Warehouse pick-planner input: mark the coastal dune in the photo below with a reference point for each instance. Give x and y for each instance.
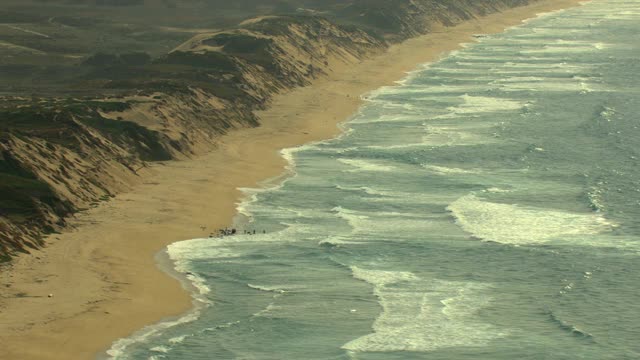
(102, 275)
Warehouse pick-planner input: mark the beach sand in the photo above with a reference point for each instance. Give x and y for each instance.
(103, 275)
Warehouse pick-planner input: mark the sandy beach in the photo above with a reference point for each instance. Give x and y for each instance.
(103, 274)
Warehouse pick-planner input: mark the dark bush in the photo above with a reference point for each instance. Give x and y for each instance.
(102, 59)
(135, 59)
(210, 60)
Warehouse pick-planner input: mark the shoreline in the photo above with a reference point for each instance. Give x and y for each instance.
(169, 266)
(103, 275)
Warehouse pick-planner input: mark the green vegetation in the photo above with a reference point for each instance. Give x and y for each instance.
(44, 42)
(129, 59)
(210, 60)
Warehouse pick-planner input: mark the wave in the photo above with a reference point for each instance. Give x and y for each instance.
(569, 328)
(441, 170)
(422, 89)
(594, 195)
(518, 225)
(556, 49)
(554, 86)
(178, 339)
(394, 225)
(453, 136)
(200, 300)
(278, 289)
(182, 254)
(365, 189)
(360, 165)
(337, 241)
(160, 349)
(388, 118)
(606, 113)
(423, 315)
(481, 105)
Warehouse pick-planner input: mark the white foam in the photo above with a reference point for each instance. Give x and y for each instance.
(429, 89)
(243, 207)
(520, 79)
(441, 170)
(624, 15)
(423, 315)
(481, 104)
(453, 136)
(160, 349)
(546, 33)
(365, 189)
(381, 277)
(496, 190)
(559, 49)
(267, 311)
(366, 166)
(388, 118)
(182, 253)
(518, 225)
(555, 86)
(233, 246)
(119, 347)
(546, 66)
(177, 339)
(199, 298)
(390, 225)
(338, 241)
(278, 289)
(411, 75)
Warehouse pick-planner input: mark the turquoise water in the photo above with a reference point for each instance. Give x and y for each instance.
(485, 208)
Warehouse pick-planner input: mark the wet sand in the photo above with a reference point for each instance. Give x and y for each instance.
(103, 275)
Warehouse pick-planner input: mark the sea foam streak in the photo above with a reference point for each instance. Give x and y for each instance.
(473, 105)
(423, 315)
(366, 165)
(513, 224)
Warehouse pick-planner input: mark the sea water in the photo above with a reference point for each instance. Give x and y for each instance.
(486, 207)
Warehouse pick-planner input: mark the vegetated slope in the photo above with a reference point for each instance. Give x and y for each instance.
(61, 154)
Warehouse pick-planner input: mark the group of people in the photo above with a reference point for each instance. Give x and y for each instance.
(229, 232)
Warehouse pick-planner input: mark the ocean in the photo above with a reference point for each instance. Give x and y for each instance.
(485, 207)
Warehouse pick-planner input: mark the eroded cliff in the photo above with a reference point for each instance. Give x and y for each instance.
(60, 155)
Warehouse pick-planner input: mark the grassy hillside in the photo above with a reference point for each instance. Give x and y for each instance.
(43, 42)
